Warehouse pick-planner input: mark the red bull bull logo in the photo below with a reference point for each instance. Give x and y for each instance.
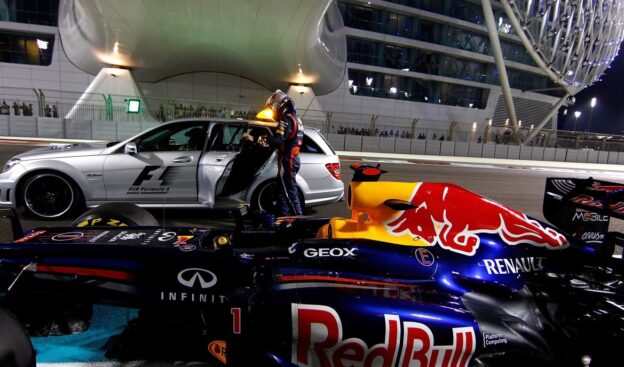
(452, 217)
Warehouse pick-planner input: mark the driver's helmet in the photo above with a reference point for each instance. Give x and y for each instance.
(278, 102)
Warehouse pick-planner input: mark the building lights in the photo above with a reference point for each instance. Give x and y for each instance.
(43, 45)
(134, 106)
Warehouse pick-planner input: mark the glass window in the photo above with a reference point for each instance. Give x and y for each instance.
(398, 57)
(309, 146)
(43, 12)
(412, 89)
(226, 138)
(426, 31)
(362, 51)
(26, 48)
(362, 17)
(395, 57)
(399, 25)
(414, 27)
(173, 137)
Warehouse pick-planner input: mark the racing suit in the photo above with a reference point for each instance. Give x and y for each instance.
(287, 139)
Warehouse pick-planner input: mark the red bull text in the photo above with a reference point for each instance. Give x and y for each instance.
(318, 341)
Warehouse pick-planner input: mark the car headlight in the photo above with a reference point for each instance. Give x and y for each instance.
(10, 163)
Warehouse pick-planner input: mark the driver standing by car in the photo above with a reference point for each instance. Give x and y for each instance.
(287, 140)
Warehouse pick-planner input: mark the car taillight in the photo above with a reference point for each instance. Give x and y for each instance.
(334, 169)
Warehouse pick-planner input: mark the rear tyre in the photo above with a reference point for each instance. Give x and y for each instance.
(115, 215)
(265, 198)
(50, 195)
(16, 350)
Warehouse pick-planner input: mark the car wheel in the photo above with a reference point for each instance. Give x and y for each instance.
(16, 350)
(50, 195)
(265, 197)
(116, 215)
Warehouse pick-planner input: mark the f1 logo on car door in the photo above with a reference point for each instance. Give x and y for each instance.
(148, 182)
(152, 176)
(162, 165)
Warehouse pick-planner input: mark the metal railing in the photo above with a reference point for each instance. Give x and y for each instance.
(100, 107)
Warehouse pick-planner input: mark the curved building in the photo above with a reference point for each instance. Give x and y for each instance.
(456, 67)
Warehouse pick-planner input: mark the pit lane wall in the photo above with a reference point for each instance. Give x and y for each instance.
(60, 128)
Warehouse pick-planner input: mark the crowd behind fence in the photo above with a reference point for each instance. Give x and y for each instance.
(98, 107)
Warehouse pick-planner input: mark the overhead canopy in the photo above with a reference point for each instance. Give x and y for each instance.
(272, 42)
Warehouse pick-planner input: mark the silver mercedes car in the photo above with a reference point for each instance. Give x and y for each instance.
(183, 164)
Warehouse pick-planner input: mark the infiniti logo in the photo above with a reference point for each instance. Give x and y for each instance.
(192, 276)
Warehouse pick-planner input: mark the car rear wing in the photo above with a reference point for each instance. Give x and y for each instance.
(16, 225)
(583, 207)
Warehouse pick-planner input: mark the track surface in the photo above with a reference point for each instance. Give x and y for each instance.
(520, 188)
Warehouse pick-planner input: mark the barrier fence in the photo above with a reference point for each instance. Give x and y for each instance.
(49, 127)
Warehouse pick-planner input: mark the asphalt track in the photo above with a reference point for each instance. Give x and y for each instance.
(519, 184)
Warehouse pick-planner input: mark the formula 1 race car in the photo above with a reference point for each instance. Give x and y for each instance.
(422, 274)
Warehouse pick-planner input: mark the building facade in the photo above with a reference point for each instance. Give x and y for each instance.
(409, 67)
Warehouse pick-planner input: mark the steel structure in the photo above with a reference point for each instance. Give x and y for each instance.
(573, 41)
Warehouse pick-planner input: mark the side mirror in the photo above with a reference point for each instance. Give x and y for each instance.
(130, 148)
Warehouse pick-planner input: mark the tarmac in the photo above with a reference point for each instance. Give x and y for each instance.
(399, 158)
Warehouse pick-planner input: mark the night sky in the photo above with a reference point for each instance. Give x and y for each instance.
(608, 115)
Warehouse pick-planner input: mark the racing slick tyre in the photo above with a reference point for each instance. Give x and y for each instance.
(16, 350)
(50, 195)
(115, 215)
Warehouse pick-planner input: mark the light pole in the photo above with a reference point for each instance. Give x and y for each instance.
(591, 112)
(577, 114)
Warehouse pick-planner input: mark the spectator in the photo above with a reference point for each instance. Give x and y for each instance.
(54, 111)
(161, 113)
(5, 109)
(15, 109)
(442, 137)
(48, 111)
(434, 137)
(479, 139)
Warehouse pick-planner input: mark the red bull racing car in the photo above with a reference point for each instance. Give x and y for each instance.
(422, 274)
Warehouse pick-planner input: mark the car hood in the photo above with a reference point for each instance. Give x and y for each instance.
(63, 150)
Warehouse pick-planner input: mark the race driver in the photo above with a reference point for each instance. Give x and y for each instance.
(287, 140)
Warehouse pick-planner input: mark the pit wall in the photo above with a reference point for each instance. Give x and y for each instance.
(44, 127)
